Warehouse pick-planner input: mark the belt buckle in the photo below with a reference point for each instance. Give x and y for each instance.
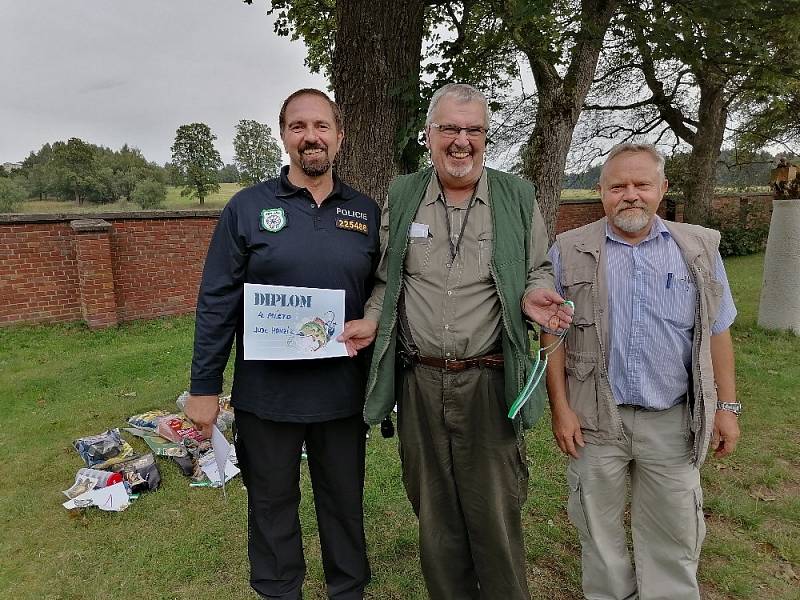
(452, 364)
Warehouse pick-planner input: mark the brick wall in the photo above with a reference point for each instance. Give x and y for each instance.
(104, 270)
(125, 266)
(38, 273)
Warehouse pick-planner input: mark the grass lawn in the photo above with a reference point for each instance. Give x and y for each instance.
(62, 382)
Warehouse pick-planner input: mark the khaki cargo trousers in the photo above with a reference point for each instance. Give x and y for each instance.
(666, 510)
(466, 477)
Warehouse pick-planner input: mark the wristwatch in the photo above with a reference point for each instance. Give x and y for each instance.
(734, 407)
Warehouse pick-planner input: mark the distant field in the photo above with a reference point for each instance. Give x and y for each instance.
(174, 201)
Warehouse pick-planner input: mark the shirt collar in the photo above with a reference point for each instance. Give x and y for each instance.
(287, 189)
(657, 229)
(433, 191)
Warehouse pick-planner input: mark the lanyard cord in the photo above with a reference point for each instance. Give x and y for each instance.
(454, 247)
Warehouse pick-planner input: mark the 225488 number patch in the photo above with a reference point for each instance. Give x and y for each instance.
(352, 225)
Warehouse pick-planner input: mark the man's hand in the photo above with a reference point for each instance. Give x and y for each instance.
(358, 334)
(202, 411)
(726, 433)
(547, 308)
(567, 431)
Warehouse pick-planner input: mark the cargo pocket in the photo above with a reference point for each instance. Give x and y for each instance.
(577, 285)
(699, 522)
(582, 387)
(575, 507)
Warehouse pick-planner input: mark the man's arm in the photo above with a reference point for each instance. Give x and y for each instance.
(541, 301)
(566, 426)
(726, 424)
(217, 314)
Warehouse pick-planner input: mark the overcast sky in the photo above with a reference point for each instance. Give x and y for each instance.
(112, 72)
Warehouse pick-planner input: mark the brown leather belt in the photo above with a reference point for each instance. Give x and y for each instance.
(487, 361)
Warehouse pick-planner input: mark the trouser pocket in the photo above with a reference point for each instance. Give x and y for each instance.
(575, 505)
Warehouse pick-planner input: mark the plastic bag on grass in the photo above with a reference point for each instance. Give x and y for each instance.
(140, 473)
(103, 450)
(147, 420)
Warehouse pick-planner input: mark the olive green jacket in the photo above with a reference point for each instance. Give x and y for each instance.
(513, 201)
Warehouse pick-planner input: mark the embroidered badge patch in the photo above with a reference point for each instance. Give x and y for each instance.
(352, 225)
(272, 220)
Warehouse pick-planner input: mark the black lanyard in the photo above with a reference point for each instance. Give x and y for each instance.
(454, 247)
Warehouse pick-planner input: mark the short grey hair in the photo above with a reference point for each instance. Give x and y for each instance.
(635, 149)
(461, 92)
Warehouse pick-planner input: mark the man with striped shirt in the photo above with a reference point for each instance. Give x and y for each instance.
(643, 383)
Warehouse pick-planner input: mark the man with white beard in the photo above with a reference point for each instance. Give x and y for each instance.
(464, 261)
(643, 383)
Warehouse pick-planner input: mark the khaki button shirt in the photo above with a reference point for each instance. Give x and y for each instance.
(452, 305)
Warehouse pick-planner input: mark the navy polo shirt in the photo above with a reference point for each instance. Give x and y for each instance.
(335, 246)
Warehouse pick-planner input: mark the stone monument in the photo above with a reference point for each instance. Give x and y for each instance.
(780, 290)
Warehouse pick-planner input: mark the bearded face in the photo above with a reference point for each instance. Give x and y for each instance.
(631, 188)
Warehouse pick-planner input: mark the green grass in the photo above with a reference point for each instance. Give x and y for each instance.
(174, 201)
(60, 382)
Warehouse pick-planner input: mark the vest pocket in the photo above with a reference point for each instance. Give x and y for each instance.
(582, 388)
(577, 285)
(418, 255)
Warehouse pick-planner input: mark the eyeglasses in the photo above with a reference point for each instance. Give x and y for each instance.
(538, 369)
(453, 131)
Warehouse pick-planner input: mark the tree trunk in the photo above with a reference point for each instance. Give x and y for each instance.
(375, 77)
(545, 154)
(560, 102)
(701, 177)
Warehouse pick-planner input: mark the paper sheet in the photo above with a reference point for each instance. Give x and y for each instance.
(112, 498)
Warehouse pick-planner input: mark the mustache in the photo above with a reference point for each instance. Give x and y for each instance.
(641, 205)
(312, 146)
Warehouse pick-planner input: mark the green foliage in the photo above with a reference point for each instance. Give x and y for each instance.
(77, 170)
(313, 21)
(11, 193)
(741, 234)
(257, 154)
(193, 153)
(149, 193)
(741, 241)
(228, 174)
(172, 174)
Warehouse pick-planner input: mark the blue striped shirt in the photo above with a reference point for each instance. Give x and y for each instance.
(652, 302)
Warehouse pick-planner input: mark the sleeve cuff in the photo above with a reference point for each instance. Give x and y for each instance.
(206, 387)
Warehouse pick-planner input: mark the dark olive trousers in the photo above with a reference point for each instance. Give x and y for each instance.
(465, 474)
(269, 457)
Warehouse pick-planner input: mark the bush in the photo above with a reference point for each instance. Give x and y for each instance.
(743, 241)
(11, 194)
(741, 234)
(149, 193)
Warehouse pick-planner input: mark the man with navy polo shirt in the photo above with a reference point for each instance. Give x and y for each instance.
(643, 384)
(308, 229)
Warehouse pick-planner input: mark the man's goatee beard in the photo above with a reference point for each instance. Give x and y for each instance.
(314, 169)
(631, 223)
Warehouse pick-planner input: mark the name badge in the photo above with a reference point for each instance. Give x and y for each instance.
(418, 230)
